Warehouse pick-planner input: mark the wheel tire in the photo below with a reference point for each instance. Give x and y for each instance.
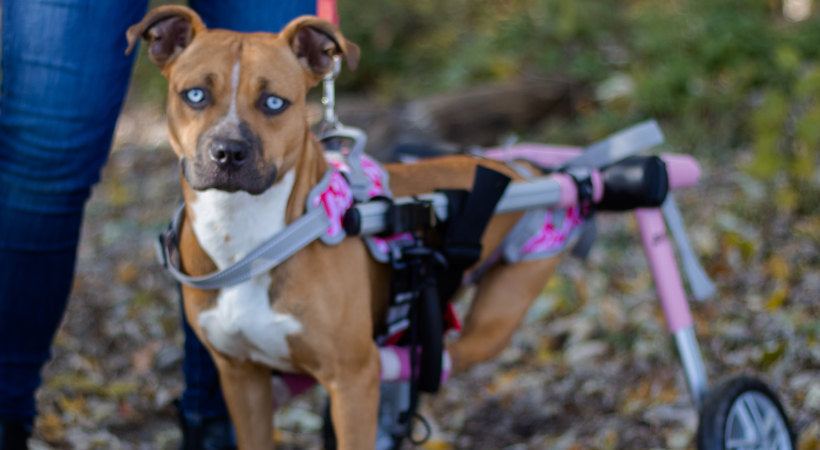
(737, 406)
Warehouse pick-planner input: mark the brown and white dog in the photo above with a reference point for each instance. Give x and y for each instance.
(238, 121)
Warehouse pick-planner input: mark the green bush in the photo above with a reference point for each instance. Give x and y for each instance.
(723, 76)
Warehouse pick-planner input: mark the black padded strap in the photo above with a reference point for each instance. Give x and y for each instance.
(470, 213)
(468, 224)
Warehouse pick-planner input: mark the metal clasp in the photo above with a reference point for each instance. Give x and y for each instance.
(331, 120)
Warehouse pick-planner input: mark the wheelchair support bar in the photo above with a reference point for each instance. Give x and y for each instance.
(551, 192)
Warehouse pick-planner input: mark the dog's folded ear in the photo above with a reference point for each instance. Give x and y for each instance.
(315, 42)
(167, 30)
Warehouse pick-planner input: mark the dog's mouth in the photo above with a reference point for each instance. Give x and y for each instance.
(229, 158)
(202, 175)
(229, 165)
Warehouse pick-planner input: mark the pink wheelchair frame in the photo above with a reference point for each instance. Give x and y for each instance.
(683, 171)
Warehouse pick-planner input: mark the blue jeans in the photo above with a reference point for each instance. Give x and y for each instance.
(64, 80)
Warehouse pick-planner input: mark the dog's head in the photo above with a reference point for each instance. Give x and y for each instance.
(237, 117)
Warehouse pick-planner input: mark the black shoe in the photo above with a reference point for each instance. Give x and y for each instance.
(210, 434)
(14, 435)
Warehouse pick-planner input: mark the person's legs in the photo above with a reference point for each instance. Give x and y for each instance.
(34, 286)
(64, 80)
(201, 402)
(251, 15)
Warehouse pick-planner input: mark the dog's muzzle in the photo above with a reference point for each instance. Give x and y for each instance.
(229, 163)
(229, 153)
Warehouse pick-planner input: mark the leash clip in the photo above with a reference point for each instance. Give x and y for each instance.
(331, 120)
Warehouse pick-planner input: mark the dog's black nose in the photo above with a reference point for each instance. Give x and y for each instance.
(229, 152)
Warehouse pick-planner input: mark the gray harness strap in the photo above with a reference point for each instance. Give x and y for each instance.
(270, 254)
(618, 146)
(311, 226)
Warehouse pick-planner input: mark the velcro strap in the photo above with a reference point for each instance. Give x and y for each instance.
(470, 213)
(463, 254)
(468, 224)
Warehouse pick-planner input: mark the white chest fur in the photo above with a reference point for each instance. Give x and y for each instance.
(228, 226)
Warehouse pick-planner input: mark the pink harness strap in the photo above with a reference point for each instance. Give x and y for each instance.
(552, 237)
(335, 196)
(335, 200)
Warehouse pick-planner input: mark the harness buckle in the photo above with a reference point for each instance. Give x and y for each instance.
(418, 215)
(583, 182)
(166, 246)
(159, 246)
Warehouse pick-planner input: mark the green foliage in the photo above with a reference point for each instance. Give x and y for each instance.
(723, 76)
(767, 123)
(785, 135)
(413, 48)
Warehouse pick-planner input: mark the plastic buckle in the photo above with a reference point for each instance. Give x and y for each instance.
(160, 248)
(410, 217)
(166, 246)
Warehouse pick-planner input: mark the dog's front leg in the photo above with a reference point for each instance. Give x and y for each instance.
(354, 402)
(248, 394)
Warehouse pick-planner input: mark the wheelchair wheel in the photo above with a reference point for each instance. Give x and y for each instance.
(743, 413)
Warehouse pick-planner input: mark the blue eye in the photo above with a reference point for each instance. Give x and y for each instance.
(271, 104)
(195, 95)
(196, 98)
(274, 103)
